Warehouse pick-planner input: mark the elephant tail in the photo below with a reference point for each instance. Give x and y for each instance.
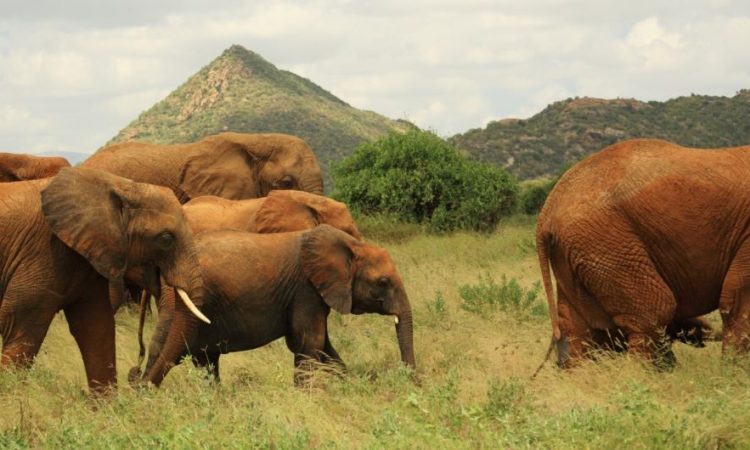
(543, 241)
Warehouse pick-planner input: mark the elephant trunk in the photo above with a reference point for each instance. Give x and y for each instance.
(170, 341)
(177, 327)
(405, 336)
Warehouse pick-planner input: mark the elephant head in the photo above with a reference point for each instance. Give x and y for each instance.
(297, 210)
(355, 277)
(17, 167)
(127, 231)
(242, 165)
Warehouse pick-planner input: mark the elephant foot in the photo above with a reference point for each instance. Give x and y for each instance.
(665, 359)
(135, 378)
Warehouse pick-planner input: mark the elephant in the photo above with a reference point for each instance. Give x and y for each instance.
(20, 167)
(642, 234)
(260, 287)
(69, 243)
(280, 211)
(287, 210)
(229, 165)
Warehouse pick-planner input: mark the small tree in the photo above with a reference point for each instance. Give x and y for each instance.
(419, 177)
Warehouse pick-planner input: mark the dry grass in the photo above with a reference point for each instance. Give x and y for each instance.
(472, 388)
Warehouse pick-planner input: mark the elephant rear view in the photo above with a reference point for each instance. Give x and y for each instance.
(645, 234)
(229, 165)
(261, 287)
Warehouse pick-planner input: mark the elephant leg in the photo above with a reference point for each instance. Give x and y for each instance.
(209, 362)
(576, 336)
(307, 342)
(735, 315)
(646, 305)
(630, 293)
(92, 324)
(330, 353)
(23, 333)
(734, 305)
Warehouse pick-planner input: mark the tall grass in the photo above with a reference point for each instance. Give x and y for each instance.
(472, 388)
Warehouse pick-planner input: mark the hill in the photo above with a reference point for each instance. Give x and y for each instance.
(568, 130)
(240, 91)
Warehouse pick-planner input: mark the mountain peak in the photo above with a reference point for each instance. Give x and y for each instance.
(241, 91)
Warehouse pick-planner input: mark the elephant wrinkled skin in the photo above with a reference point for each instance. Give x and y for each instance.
(643, 234)
(260, 287)
(69, 243)
(18, 167)
(229, 165)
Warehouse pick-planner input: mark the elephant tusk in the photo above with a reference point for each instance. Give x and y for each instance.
(191, 306)
(395, 319)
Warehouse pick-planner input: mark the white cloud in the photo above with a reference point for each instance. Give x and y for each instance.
(15, 121)
(82, 72)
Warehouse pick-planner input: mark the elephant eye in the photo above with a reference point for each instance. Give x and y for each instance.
(285, 183)
(165, 240)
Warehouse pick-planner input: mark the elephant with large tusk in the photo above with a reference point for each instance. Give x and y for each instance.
(71, 243)
(260, 287)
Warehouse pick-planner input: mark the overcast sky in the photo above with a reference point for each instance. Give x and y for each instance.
(74, 72)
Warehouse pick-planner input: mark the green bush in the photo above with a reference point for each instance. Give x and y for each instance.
(420, 178)
(508, 296)
(533, 196)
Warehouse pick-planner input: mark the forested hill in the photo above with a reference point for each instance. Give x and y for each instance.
(568, 130)
(240, 91)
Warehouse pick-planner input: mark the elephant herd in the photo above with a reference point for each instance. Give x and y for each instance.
(231, 235)
(233, 238)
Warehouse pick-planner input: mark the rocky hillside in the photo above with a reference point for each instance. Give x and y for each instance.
(240, 91)
(568, 130)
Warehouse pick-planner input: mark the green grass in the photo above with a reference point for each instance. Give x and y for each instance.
(472, 387)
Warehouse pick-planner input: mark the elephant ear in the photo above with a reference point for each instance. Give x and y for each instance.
(336, 214)
(84, 209)
(328, 261)
(281, 211)
(224, 169)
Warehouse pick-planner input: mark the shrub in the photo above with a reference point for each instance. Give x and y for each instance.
(508, 296)
(533, 196)
(418, 177)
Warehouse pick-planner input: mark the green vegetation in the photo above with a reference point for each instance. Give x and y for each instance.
(568, 130)
(418, 177)
(508, 296)
(473, 389)
(240, 91)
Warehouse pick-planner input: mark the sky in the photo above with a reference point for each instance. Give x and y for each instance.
(75, 72)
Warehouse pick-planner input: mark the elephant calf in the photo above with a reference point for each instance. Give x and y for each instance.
(260, 287)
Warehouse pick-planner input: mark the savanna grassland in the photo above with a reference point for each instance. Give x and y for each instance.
(481, 330)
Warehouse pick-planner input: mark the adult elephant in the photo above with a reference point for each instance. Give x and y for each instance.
(21, 167)
(260, 287)
(69, 243)
(228, 165)
(288, 210)
(643, 234)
